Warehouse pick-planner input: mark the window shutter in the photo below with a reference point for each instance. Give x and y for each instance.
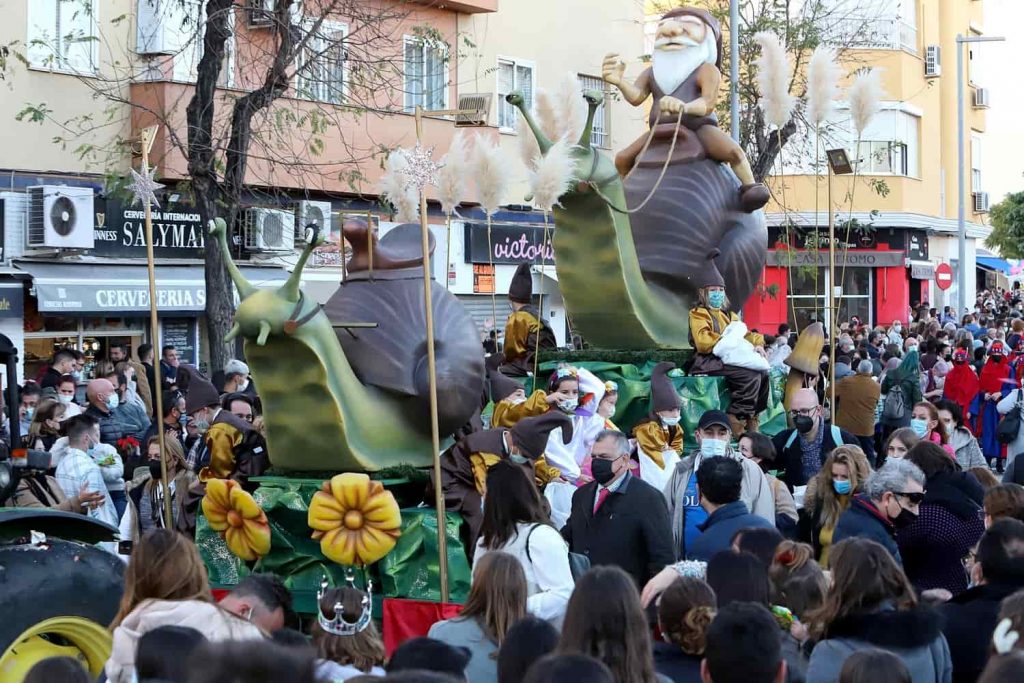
(506, 84)
(524, 82)
(42, 33)
(78, 38)
(435, 77)
(413, 74)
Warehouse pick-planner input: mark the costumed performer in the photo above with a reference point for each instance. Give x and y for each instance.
(962, 386)
(748, 389)
(583, 391)
(464, 466)
(996, 381)
(511, 403)
(524, 326)
(659, 438)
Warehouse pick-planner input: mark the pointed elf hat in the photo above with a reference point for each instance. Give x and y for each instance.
(663, 393)
(531, 434)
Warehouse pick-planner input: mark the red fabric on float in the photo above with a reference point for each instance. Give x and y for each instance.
(405, 619)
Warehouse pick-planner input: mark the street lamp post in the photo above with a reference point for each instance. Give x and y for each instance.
(961, 181)
(734, 68)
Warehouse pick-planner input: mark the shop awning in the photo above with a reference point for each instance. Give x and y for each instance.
(921, 270)
(116, 288)
(993, 263)
(548, 272)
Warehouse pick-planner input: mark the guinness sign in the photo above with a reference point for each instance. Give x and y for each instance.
(120, 230)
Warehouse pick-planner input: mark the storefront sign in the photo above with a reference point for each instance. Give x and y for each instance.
(483, 279)
(509, 244)
(922, 271)
(180, 333)
(917, 246)
(178, 230)
(12, 301)
(944, 276)
(853, 259)
(100, 298)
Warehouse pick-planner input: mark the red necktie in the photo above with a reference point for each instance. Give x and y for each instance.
(601, 497)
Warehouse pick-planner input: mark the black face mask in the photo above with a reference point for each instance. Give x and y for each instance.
(904, 519)
(154, 470)
(803, 423)
(602, 470)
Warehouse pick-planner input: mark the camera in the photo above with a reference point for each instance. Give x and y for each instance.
(16, 464)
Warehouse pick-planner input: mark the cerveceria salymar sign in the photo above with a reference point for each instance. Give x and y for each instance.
(178, 230)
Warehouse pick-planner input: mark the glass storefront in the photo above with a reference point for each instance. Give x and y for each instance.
(809, 291)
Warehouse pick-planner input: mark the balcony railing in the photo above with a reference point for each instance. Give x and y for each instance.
(872, 34)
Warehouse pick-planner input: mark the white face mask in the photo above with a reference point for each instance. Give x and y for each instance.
(568, 405)
(712, 447)
(65, 399)
(242, 386)
(515, 399)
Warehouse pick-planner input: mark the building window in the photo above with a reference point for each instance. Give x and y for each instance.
(976, 163)
(883, 157)
(907, 21)
(186, 62)
(513, 75)
(600, 135)
(62, 35)
(321, 71)
(426, 75)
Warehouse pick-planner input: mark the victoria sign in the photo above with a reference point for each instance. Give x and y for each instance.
(509, 244)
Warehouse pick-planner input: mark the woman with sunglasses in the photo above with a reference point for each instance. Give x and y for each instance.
(949, 522)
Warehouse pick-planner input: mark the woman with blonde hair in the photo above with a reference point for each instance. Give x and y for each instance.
(497, 600)
(685, 611)
(349, 647)
(165, 584)
(829, 494)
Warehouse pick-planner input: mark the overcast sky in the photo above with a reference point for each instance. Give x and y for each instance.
(1003, 151)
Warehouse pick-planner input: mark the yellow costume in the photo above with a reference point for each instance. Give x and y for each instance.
(703, 330)
(653, 438)
(507, 413)
(520, 328)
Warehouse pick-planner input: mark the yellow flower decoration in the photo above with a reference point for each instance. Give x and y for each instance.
(355, 519)
(232, 511)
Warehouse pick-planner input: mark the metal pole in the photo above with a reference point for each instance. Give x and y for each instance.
(832, 327)
(734, 68)
(961, 189)
(148, 136)
(442, 539)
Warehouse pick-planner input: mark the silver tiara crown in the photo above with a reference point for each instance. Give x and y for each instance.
(339, 626)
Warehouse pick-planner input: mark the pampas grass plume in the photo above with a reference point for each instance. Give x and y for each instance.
(395, 188)
(554, 175)
(546, 114)
(773, 69)
(822, 84)
(453, 176)
(570, 108)
(865, 96)
(491, 174)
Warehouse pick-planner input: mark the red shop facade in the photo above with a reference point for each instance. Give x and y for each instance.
(881, 271)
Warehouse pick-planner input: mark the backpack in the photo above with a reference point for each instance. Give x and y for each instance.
(836, 432)
(895, 406)
(1009, 426)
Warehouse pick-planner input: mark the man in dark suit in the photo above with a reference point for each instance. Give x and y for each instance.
(618, 519)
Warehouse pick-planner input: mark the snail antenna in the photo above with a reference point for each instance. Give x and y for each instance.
(290, 289)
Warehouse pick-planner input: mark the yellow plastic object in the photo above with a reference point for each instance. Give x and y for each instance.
(90, 644)
(233, 512)
(355, 519)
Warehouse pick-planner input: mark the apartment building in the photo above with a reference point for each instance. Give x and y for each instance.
(102, 70)
(905, 196)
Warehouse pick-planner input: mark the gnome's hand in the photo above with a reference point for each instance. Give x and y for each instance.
(612, 69)
(671, 105)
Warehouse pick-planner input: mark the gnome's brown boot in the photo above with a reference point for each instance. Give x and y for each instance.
(738, 426)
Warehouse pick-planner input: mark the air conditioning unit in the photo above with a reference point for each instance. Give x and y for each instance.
(981, 98)
(307, 212)
(60, 217)
(980, 202)
(260, 12)
(932, 61)
(478, 106)
(269, 230)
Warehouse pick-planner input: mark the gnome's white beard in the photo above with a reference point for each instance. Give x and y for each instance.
(672, 67)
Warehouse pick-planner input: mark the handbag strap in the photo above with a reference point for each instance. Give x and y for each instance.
(528, 534)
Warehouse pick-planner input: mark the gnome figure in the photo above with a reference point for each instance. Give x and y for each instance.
(659, 438)
(683, 79)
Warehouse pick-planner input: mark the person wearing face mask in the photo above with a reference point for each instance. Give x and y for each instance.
(856, 400)
(965, 447)
(227, 448)
(146, 491)
(829, 495)
(66, 395)
(44, 430)
(804, 448)
(748, 389)
(618, 519)
(511, 403)
(681, 495)
(962, 384)
(236, 378)
(525, 329)
(78, 472)
(901, 388)
(575, 392)
(890, 502)
(103, 401)
(994, 383)
(464, 466)
(925, 423)
(719, 481)
(659, 437)
(895, 334)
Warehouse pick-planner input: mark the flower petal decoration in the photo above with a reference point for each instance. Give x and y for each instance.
(355, 519)
(234, 513)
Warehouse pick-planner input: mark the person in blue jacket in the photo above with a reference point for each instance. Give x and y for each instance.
(719, 481)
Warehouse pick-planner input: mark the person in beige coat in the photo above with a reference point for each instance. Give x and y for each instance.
(165, 584)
